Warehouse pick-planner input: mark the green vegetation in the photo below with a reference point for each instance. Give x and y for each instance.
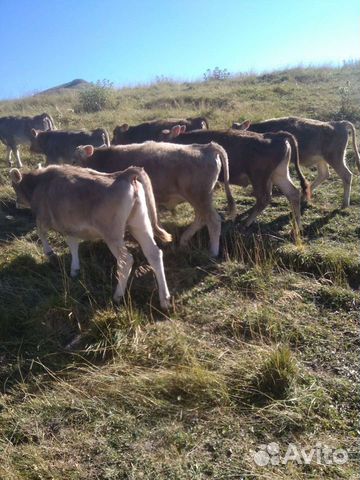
(95, 98)
(261, 346)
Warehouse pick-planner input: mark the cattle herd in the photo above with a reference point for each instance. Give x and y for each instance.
(92, 189)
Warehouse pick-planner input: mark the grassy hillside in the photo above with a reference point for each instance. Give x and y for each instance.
(261, 346)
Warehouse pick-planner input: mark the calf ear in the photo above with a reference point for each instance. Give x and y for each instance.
(34, 132)
(243, 126)
(175, 131)
(88, 150)
(124, 127)
(182, 129)
(82, 152)
(15, 175)
(203, 125)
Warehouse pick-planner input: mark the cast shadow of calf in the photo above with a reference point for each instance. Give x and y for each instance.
(14, 221)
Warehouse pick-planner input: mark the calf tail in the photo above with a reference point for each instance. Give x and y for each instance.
(356, 151)
(145, 181)
(305, 185)
(225, 164)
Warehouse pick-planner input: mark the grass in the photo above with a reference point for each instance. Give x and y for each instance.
(261, 346)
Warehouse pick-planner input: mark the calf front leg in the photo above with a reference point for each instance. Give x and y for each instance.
(44, 241)
(8, 156)
(17, 156)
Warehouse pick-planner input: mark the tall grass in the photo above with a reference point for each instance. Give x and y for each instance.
(261, 345)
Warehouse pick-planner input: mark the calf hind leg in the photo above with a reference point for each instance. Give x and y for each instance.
(292, 194)
(281, 178)
(73, 244)
(322, 174)
(125, 262)
(197, 224)
(263, 197)
(346, 176)
(141, 230)
(213, 223)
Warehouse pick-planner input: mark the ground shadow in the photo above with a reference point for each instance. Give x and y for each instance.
(312, 230)
(44, 309)
(14, 221)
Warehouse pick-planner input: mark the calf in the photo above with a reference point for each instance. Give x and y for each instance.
(15, 131)
(262, 160)
(179, 173)
(320, 143)
(124, 134)
(88, 205)
(58, 146)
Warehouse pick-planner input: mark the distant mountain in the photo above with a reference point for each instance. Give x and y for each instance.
(77, 84)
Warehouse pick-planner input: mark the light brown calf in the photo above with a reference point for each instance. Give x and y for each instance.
(87, 205)
(179, 173)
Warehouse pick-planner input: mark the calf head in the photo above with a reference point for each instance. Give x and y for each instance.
(81, 155)
(43, 122)
(22, 199)
(198, 123)
(119, 134)
(167, 135)
(241, 126)
(35, 145)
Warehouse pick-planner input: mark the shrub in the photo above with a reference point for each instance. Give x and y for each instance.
(100, 96)
(216, 74)
(347, 110)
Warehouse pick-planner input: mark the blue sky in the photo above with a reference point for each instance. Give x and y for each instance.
(46, 43)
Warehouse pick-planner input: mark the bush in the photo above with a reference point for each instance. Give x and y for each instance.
(216, 74)
(347, 110)
(100, 96)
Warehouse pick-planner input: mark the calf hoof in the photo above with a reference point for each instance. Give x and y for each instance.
(183, 243)
(75, 273)
(241, 228)
(53, 258)
(117, 298)
(166, 304)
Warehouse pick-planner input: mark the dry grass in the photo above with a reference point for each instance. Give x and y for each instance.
(261, 346)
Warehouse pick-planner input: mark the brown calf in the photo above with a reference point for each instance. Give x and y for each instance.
(262, 160)
(59, 145)
(320, 143)
(125, 134)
